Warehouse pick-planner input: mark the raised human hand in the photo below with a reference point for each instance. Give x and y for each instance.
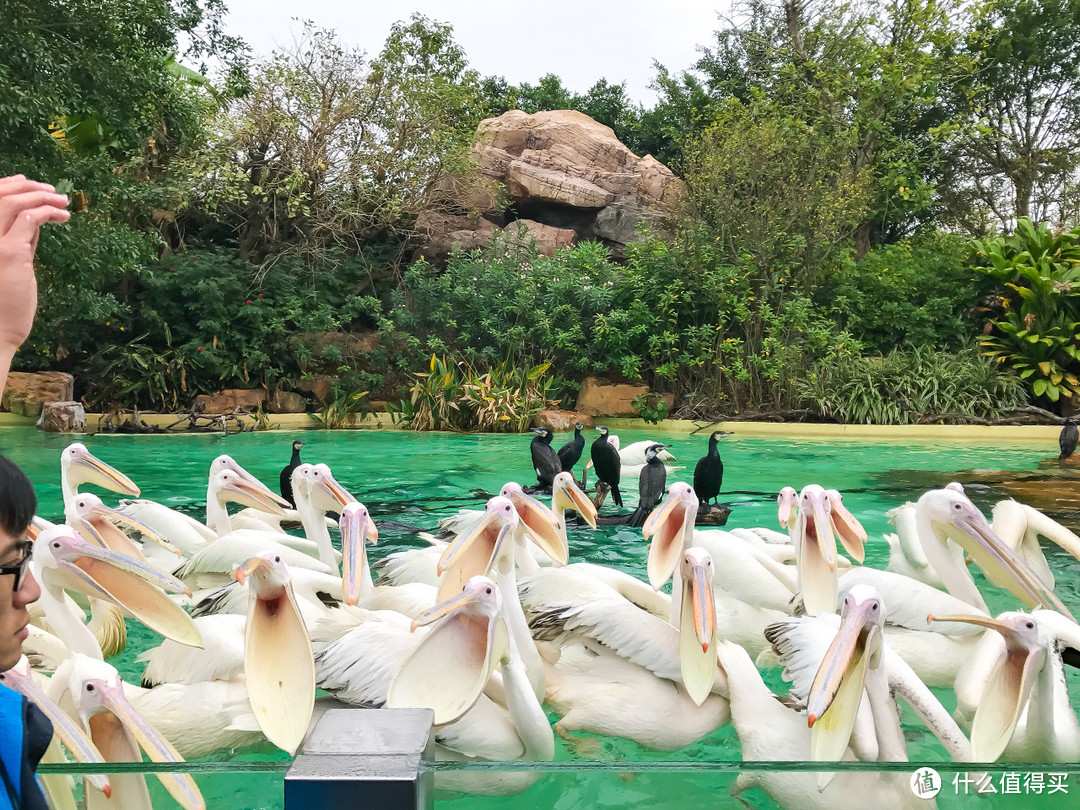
(25, 205)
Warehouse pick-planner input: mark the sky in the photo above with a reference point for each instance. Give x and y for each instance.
(580, 41)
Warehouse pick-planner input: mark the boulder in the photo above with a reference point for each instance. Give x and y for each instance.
(350, 344)
(548, 238)
(598, 399)
(562, 421)
(26, 392)
(62, 417)
(560, 169)
(286, 402)
(319, 387)
(231, 400)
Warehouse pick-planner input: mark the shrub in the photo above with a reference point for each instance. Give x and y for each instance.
(904, 387)
(915, 292)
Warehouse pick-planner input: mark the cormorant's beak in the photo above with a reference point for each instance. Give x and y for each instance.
(671, 528)
(1002, 566)
(545, 527)
(92, 470)
(1008, 688)
(836, 692)
(697, 625)
(568, 495)
(817, 554)
(71, 734)
(474, 552)
(133, 585)
(464, 649)
(279, 666)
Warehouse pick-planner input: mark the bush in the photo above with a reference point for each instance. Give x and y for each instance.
(676, 315)
(903, 387)
(916, 292)
(204, 320)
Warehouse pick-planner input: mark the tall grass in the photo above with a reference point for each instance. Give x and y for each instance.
(904, 386)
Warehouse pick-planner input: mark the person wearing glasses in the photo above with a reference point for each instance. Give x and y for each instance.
(25, 732)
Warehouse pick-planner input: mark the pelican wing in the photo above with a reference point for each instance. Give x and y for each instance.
(233, 549)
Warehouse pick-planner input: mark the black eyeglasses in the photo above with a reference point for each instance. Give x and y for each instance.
(20, 569)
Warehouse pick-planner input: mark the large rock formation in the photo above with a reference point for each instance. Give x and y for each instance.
(231, 400)
(26, 392)
(565, 176)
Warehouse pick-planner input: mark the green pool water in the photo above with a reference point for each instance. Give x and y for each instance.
(418, 478)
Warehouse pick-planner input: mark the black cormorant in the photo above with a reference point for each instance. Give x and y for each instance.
(608, 465)
(285, 481)
(652, 484)
(709, 472)
(1067, 439)
(570, 453)
(545, 460)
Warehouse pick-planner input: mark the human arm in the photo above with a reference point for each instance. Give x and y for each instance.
(25, 205)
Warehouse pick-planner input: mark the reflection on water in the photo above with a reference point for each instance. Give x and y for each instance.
(414, 479)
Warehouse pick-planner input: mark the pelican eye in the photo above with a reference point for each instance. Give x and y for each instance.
(1029, 625)
(874, 606)
(56, 544)
(277, 559)
(487, 590)
(89, 687)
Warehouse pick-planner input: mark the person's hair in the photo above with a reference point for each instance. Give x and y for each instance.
(17, 499)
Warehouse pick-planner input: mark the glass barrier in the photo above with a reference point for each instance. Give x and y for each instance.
(232, 785)
(663, 785)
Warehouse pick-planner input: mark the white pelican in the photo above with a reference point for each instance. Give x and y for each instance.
(316, 492)
(263, 658)
(843, 671)
(421, 565)
(1012, 690)
(947, 514)
(62, 560)
(70, 733)
(769, 730)
(381, 663)
(92, 691)
(1020, 526)
(618, 670)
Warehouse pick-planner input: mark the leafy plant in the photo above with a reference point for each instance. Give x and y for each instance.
(904, 387)
(650, 407)
(1039, 335)
(453, 395)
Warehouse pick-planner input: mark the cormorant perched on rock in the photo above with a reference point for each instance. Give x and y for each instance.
(608, 465)
(570, 453)
(545, 460)
(285, 481)
(1067, 439)
(652, 484)
(709, 472)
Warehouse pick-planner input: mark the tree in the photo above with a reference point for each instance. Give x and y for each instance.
(329, 150)
(1018, 99)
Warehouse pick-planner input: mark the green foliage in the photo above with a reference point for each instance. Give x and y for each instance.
(650, 407)
(330, 150)
(677, 315)
(1039, 336)
(779, 193)
(905, 387)
(207, 321)
(453, 395)
(915, 292)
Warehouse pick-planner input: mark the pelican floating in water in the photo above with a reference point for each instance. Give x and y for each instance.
(1012, 690)
(92, 691)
